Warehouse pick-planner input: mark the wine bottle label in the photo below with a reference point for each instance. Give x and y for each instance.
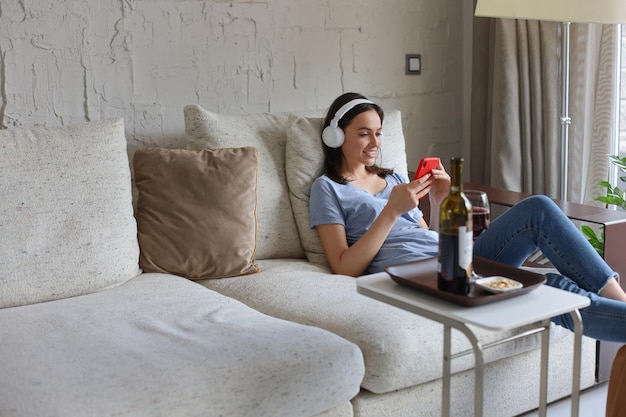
(466, 243)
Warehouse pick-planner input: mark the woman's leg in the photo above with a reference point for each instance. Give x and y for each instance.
(604, 319)
(613, 290)
(537, 222)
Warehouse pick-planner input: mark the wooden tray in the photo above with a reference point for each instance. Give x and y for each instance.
(422, 275)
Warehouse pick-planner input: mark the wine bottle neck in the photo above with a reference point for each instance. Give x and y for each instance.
(456, 182)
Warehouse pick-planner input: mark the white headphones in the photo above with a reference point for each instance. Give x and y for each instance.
(333, 135)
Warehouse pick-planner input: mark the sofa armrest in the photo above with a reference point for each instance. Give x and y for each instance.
(613, 221)
(574, 211)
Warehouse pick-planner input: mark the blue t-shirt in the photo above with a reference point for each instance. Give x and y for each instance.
(356, 209)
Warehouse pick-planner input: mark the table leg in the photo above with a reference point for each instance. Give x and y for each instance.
(543, 378)
(479, 378)
(479, 370)
(445, 394)
(578, 338)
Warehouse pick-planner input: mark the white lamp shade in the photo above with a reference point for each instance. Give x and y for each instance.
(577, 11)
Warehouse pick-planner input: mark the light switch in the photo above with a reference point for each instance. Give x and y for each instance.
(413, 64)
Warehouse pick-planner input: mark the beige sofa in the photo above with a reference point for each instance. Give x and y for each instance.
(85, 331)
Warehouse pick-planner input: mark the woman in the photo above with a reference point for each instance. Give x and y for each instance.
(368, 217)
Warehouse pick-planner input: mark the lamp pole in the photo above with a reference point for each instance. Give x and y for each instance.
(566, 121)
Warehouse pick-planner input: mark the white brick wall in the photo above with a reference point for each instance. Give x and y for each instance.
(70, 61)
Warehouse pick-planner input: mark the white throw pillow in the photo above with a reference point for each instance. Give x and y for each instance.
(305, 160)
(67, 217)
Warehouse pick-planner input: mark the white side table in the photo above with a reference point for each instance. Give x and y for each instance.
(537, 306)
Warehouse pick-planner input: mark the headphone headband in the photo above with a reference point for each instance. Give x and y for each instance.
(346, 108)
(333, 135)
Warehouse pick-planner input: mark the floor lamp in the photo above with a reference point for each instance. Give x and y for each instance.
(566, 12)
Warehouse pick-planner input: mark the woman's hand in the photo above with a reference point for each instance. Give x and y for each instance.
(440, 185)
(405, 197)
(439, 190)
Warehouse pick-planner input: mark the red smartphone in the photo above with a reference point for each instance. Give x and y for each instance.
(425, 166)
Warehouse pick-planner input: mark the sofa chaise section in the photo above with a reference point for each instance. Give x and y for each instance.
(160, 345)
(84, 332)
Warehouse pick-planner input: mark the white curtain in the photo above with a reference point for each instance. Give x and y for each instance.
(516, 106)
(593, 98)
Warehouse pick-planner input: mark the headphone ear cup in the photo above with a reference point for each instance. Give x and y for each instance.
(333, 136)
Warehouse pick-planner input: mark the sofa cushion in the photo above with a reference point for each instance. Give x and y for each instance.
(304, 163)
(196, 211)
(401, 349)
(161, 345)
(67, 217)
(277, 235)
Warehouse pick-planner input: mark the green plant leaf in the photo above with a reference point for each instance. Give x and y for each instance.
(615, 196)
(597, 242)
(589, 232)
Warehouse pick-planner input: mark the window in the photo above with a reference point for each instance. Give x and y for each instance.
(621, 120)
(621, 123)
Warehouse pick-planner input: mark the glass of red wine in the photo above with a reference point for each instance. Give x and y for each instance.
(480, 210)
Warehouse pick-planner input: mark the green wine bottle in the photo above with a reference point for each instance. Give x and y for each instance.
(455, 236)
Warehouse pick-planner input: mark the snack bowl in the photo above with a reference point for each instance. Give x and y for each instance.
(497, 284)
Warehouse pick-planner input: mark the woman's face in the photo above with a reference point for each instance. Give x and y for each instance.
(362, 139)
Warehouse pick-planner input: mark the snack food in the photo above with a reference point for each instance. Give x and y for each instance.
(501, 283)
(498, 284)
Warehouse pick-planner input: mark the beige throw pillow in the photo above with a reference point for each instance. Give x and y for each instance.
(196, 211)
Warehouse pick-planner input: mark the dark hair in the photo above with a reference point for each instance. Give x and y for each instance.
(333, 157)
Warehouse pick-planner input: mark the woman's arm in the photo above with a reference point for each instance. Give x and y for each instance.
(354, 260)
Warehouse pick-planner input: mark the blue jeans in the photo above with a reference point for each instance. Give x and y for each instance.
(537, 222)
